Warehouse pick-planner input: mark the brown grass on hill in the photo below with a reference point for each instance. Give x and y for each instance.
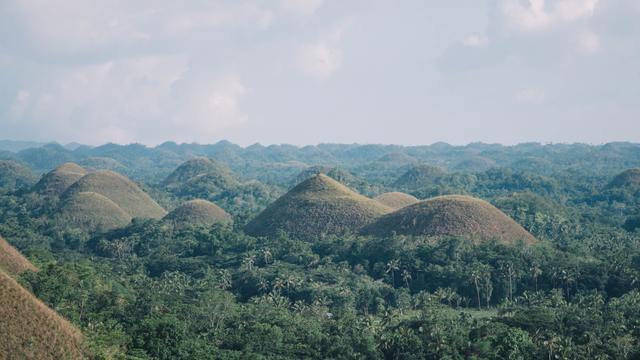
(396, 199)
(58, 180)
(91, 211)
(451, 215)
(627, 178)
(31, 330)
(198, 167)
(12, 261)
(198, 212)
(316, 207)
(122, 191)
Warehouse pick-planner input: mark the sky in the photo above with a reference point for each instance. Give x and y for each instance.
(314, 71)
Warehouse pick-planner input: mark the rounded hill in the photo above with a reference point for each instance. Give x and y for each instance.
(122, 191)
(451, 215)
(200, 177)
(419, 176)
(316, 207)
(627, 178)
(58, 180)
(12, 261)
(30, 329)
(15, 176)
(91, 211)
(198, 212)
(396, 199)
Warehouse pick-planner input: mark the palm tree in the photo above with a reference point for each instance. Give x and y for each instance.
(392, 267)
(267, 256)
(406, 277)
(248, 261)
(535, 273)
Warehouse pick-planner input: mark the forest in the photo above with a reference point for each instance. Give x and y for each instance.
(188, 251)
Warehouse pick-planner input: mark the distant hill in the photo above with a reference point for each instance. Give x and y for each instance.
(198, 212)
(200, 176)
(451, 215)
(316, 207)
(338, 174)
(58, 180)
(396, 200)
(102, 163)
(12, 261)
(475, 164)
(419, 176)
(627, 178)
(91, 211)
(122, 191)
(14, 176)
(31, 330)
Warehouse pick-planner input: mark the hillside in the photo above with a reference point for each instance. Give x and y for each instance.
(419, 176)
(31, 330)
(122, 191)
(198, 212)
(14, 176)
(12, 261)
(627, 178)
(58, 180)
(451, 215)
(91, 211)
(316, 207)
(396, 199)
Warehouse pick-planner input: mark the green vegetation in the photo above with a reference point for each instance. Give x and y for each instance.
(14, 176)
(198, 212)
(30, 330)
(628, 178)
(315, 208)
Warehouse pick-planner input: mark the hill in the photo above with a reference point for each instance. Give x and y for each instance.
(451, 215)
(14, 176)
(475, 164)
(627, 178)
(122, 191)
(31, 330)
(419, 176)
(198, 212)
(12, 261)
(318, 206)
(396, 200)
(91, 211)
(200, 177)
(58, 180)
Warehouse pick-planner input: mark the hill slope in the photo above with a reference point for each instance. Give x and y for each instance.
(396, 200)
(91, 211)
(199, 173)
(627, 178)
(198, 212)
(419, 176)
(451, 215)
(12, 261)
(316, 207)
(15, 176)
(58, 180)
(31, 330)
(122, 191)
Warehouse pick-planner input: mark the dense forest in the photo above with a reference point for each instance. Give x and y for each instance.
(188, 251)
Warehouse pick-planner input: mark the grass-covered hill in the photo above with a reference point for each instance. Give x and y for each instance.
(120, 190)
(344, 177)
(12, 261)
(451, 215)
(396, 199)
(419, 176)
(31, 330)
(200, 176)
(316, 207)
(198, 212)
(91, 211)
(15, 176)
(627, 179)
(58, 180)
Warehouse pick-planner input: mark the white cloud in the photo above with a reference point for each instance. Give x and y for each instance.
(589, 42)
(538, 15)
(475, 41)
(19, 105)
(304, 7)
(319, 60)
(530, 96)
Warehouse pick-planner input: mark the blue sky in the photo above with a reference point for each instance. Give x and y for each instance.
(310, 71)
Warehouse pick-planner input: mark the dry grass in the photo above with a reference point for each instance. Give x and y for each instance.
(31, 330)
(12, 261)
(197, 168)
(91, 211)
(396, 200)
(627, 178)
(316, 207)
(122, 191)
(198, 212)
(451, 215)
(60, 179)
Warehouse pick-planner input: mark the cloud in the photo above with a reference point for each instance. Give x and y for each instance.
(475, 41)
(589, 42)
(319, 60)
(530, 96)
(304, 7)
(540, 15)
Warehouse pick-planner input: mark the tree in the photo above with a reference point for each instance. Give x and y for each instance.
(392, 267)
